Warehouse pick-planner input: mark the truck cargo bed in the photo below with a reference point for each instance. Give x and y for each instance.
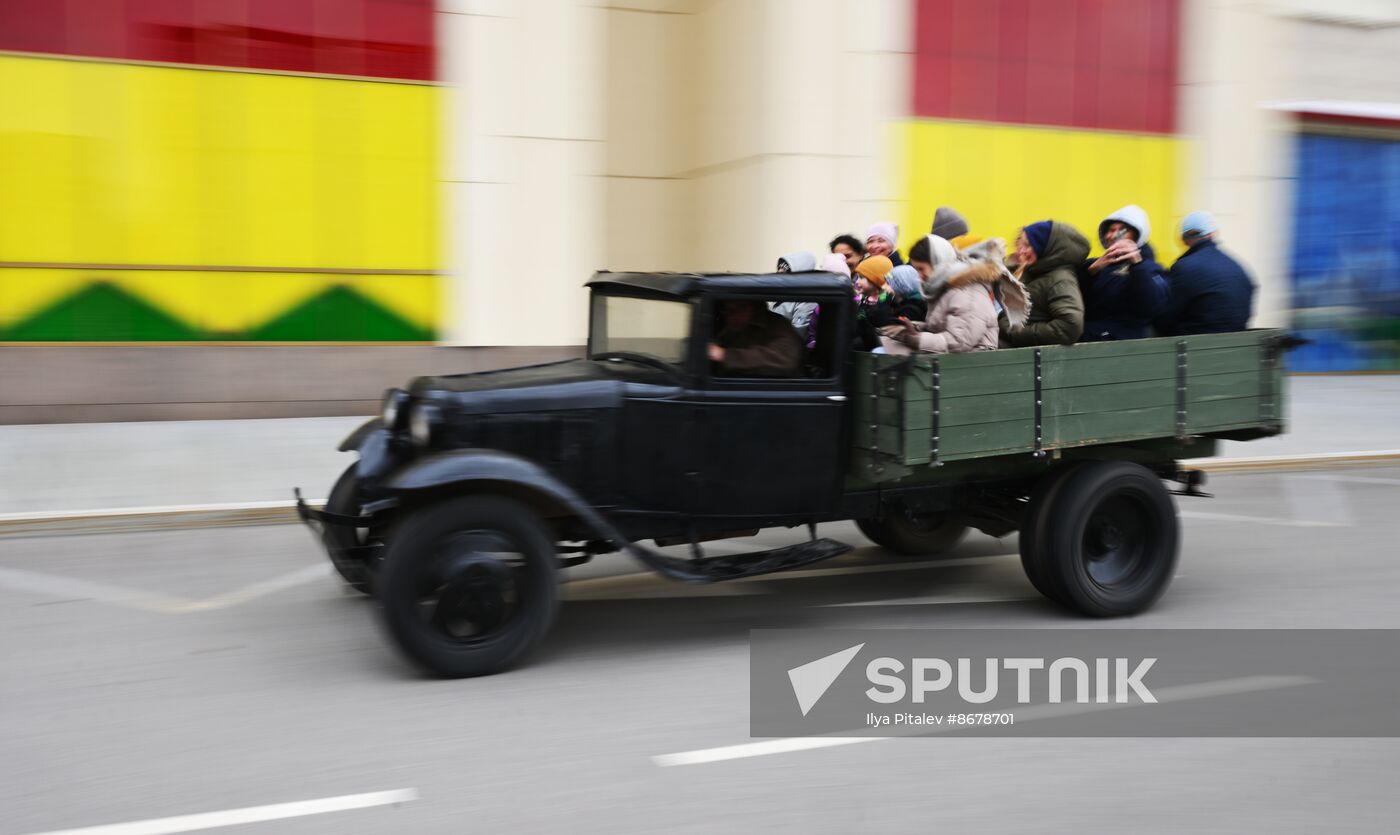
(930, 409)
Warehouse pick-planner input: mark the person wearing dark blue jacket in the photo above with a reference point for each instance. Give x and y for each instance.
(1125, 288)
(1210, 291)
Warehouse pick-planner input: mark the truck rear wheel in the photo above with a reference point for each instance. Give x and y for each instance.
(469, 585)
(1033, 532)
(1105, 540)
(913, 535)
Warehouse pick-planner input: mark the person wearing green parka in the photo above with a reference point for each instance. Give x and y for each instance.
(1047, 253)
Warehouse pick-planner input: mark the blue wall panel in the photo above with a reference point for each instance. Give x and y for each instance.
(1345, 269)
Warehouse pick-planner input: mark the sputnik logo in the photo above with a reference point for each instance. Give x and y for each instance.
(810, 681)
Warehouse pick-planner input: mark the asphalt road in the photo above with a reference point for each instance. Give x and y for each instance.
(154, 675)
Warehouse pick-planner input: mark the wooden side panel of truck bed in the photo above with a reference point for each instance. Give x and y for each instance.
(933, 409)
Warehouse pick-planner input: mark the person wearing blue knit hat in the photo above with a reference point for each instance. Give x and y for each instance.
(1209, 291)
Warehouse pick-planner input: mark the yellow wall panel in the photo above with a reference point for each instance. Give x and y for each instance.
(119, 163)
(1002, 177)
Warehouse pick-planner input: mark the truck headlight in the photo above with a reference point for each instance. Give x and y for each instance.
(420, 423)
(393, 408)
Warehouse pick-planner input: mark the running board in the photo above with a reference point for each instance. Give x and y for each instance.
(734, 566)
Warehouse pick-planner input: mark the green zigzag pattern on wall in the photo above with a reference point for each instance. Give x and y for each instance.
(339, 314)
(102, 312)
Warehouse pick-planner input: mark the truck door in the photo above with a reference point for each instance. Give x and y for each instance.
(774, 445)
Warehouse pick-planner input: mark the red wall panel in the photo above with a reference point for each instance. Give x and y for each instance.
(1108, 64)
(382, 38)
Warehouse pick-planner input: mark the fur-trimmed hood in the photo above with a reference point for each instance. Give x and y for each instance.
(994, 275)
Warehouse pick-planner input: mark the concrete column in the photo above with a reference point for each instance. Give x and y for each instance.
(796, 146)
(1233, 65)
(524, 148)
(656, 135)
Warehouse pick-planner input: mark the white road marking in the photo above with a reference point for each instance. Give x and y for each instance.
(1320, 501)
(1350, 479)
(250, 814)
(33, 582)
(877, 568)
(649, 587)
(1259, 520)
(740, 586)
(1180, 693)
(928, 601)
(262, 588)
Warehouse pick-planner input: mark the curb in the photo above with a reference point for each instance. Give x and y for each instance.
(245, 514)
(134, 519)
(1293, 463)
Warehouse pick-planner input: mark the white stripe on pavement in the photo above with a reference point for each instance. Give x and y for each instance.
(34, 582)
(1179, 693)
(1259, 520)
(250, 814)
(929, 601)
(1350, 479)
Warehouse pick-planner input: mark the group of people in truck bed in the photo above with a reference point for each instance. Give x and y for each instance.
(956, 292)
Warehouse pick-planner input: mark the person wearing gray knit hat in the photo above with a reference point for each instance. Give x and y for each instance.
(948, 223)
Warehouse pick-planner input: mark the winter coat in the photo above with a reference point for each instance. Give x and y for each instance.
(1057, 308)
(963, 317)
(1121, 301)
(871, 313)
(766, 347)
(1209, 293)
(889, 309)
(800, 314)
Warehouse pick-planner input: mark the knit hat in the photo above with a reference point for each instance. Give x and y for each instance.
(884, 229)
(798, 262)
(1038, 235)
(833, 263)
(948, 223)
(1198, 224)
(904, 281)
(874, 269)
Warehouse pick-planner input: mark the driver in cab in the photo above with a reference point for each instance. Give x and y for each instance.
(755, 342)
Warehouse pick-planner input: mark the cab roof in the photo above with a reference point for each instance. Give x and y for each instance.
(687, 285)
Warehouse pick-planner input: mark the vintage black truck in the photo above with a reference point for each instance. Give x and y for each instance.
(471, 491)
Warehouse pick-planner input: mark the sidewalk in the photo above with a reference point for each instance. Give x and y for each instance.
(102, 466)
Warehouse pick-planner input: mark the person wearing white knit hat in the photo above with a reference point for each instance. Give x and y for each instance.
(882, 239)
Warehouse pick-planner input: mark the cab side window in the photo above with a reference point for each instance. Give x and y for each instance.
(772, 338)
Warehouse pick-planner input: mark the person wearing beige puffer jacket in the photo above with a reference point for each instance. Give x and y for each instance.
(964, 291)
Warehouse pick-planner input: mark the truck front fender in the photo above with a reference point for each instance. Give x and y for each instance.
(373, 442)
(468, 467)
(492, 470)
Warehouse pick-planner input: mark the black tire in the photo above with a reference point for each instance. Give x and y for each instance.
(353, 570)
(452, 602)
(1108, 539)
(1033, 533)
(925, 535)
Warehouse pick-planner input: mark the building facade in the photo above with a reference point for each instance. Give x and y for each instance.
(398, 174)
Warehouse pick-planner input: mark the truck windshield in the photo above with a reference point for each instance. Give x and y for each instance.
(653, 328)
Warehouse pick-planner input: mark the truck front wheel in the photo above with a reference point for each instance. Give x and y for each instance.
(913, 535)
(469, 585)
(1105, 539)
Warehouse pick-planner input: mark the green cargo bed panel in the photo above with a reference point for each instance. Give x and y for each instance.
(1102, 393)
